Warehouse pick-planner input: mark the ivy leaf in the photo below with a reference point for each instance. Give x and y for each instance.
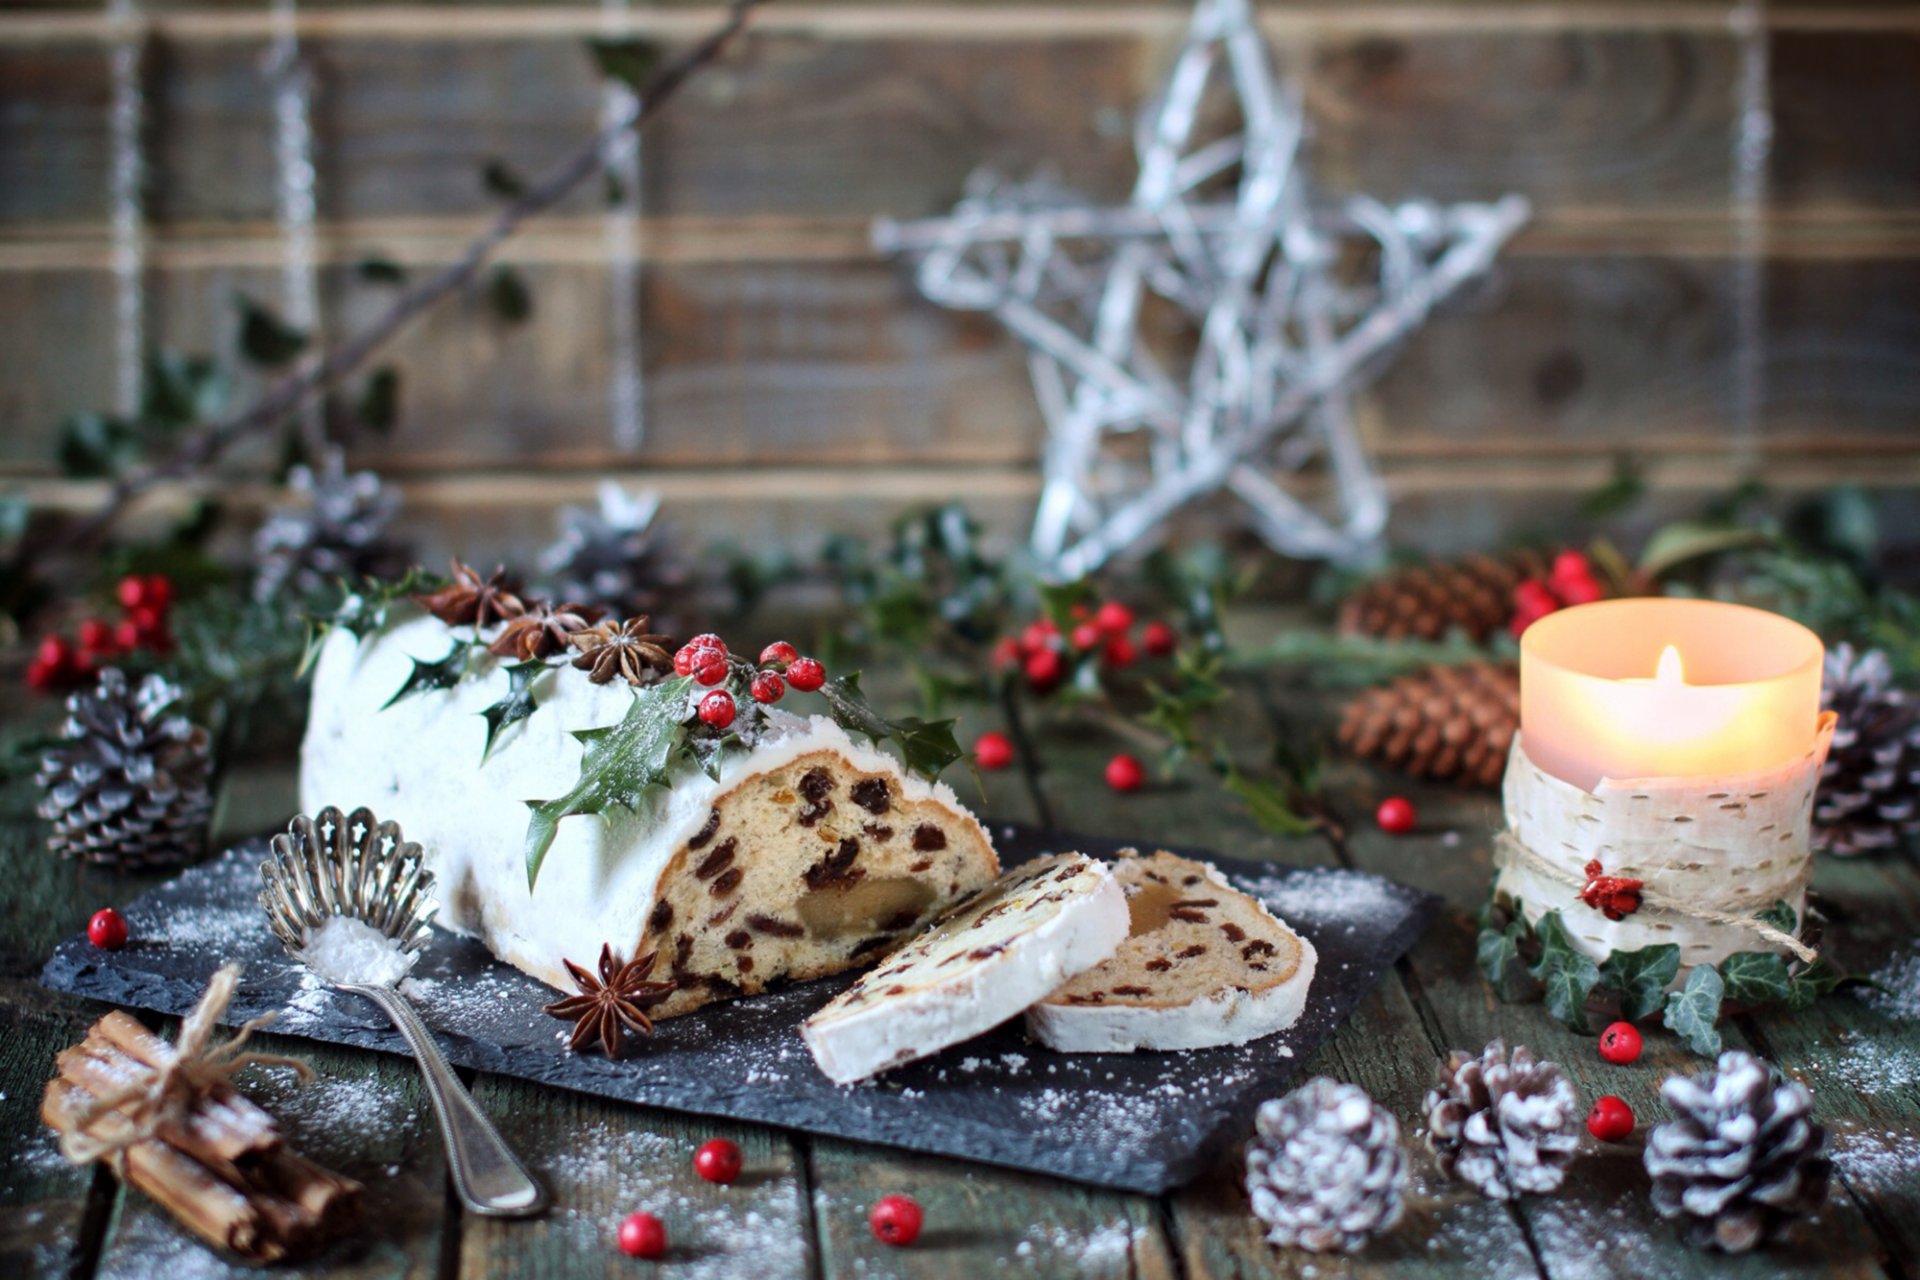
(624, 765)
(1755, 977)
(508, 295)
(380, 399)
(1813, 981)
(1569, 976)
(428, 676)
(1498, 951)
(265, 338)
(1693, 1010)
(1780, 915)
(1641, 978)
(629, 61)
(1269, 804)
(926, 746)
(500, 180)
(516, 706)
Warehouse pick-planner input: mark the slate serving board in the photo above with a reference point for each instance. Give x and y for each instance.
(1139, 1122)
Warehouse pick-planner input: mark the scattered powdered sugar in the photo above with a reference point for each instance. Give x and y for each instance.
(1105, 1249)
(1868, 1064)
(1336, 895)
(217, 929)
(1887, 1160)
(346, 950)
(1898, 992)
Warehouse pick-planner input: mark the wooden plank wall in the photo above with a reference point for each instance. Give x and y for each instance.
(1666, 300)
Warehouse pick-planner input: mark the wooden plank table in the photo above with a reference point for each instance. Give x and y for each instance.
(801, 1208)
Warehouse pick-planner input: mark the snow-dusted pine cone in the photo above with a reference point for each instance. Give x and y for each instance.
(616, 557)
(1325, 1168)
(1742, 1157)
(336, 527)
(1870, 788)
(130, 786)
(1505, 1124)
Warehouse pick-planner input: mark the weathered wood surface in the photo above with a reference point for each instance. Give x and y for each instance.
(801, 1207)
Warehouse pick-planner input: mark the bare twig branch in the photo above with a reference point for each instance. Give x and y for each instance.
(290, 393)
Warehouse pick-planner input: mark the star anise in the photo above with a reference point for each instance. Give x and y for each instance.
(625, 649)
(470, 600)
(544, 629)
(617, 999)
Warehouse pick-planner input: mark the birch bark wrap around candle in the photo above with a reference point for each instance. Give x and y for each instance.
(1672, 743)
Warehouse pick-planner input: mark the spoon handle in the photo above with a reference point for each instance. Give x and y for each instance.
(488, 1177)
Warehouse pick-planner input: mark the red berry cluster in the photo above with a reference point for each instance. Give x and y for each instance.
(707, 659)
(146, 602)
(1571, 582)
(1103, 634)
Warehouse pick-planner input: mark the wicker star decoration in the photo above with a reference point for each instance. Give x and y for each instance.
(1276, 324)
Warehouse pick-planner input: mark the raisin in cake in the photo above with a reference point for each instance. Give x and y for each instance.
(1040, 925)
(808, 855)
(1203, 965)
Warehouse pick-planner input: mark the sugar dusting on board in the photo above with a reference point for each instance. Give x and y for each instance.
(1896, 988)
(350, 951)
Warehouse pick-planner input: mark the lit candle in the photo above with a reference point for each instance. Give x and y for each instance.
(1657, 688)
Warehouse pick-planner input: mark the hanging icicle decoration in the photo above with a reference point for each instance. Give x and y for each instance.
(625, 394)
(126, 122)
(294, 202)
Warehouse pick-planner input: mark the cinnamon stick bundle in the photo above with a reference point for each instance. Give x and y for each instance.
(207, 1155)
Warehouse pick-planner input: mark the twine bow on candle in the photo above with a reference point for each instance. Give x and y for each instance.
(162, 1097)
(1507, 850)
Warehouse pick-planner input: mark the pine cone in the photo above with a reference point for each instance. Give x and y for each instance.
(1504, 1124)
(1444, 723)
(615, 557)
(1742, 1158)
(1870, 788)
(1325, 1168)
(1473, 593)
(130, 787)
(337, 529)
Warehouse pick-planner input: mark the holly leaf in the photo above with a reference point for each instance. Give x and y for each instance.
(362, 608)
(377, 270)
(711, 753)
(265, 338)
(508, 295)
(629, 61)
(1641, 978)
(1810, 982)
(1693, 1010)
(429, 676)
(498, 177)
(1568, 976)
(516, 706)
(1755, 977)
(1780, 915)
(1269, 804)
(380, 399)
(625, 765)
(178, 390)
(926, 746)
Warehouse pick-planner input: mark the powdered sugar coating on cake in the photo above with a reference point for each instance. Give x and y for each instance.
(1203, 965)
(1036, 928)
(844, 838)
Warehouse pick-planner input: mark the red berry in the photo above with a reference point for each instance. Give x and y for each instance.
(54, 651)
(717, 709)
(160, 591)
(1113, 618)
(1045, 669)
(1620, 1043)
(43, 677)
(96, 636)
(643, 1236)
(708, 640)
(1036, 636)
(778, 651)
(131, 591)
(127, 635)
(1124, 773)
(107, 930)
(1569, 565)
(1087, 636)
(896, 1221)
(1120, 652)
(1006, 654)
(1395, 815)
(1579, 590)
(993, 751)
(806, 674)
(717, 1161)
(1160, 639)
(1611, 1119)
(1534, 594)
(710, 666)
(689, 657)
(767, 687)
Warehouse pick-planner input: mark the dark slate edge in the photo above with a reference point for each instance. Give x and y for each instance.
(861, 1113)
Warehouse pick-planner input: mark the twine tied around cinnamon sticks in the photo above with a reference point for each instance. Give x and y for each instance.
(1508, 849)
(161, 1098)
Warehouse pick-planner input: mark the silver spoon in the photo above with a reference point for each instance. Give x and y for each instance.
(334, 865)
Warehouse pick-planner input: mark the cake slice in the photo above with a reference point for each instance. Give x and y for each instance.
(805, 854)
(1203, 964)
(980, 965)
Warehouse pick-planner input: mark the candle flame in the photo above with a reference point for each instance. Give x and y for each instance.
(1669, 674)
